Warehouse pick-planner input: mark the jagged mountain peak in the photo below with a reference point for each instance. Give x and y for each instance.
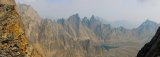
(74, 22)
(85, 17)
(148, 24)
(86, 21)
(94, 18)
(74, 17)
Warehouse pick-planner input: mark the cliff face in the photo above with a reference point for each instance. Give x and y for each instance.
(13, 42)
(151, 49)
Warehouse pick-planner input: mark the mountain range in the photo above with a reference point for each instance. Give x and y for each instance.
(86, 37)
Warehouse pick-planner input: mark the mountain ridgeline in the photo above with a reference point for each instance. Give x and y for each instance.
(86, 37)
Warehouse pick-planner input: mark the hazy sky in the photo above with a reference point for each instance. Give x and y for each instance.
(133, 11)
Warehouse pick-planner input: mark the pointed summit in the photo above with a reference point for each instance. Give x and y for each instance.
(85, 21)
(74, 17)
(74, 21)
(148, 24)
(92, 17)
(95, 19)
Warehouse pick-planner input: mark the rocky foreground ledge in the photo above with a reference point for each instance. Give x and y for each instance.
(13, 42)
(151, 49)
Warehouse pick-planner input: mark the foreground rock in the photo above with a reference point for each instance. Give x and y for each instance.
(13, 42)
(151, 49)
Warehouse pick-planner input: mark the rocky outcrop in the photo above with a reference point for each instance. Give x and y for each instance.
(13, 41)
(151, 49)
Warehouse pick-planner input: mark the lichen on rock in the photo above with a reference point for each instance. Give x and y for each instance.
(13, 42)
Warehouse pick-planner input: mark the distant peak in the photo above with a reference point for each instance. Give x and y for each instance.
(147, 22)
(85, 17)
(74, 18)
(93, 17)
(77, 15)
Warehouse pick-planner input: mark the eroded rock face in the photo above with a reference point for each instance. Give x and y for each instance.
(13, 42)
(151, 49)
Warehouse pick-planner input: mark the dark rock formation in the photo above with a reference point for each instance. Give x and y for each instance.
(151, 49)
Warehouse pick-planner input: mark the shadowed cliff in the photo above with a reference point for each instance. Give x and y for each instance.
(151, 49)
